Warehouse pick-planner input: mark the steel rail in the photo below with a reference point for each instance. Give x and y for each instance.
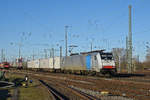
(81, 94)
(57, 95)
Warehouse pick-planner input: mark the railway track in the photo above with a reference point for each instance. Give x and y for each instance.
(56, 95)
(59, 96)
(90, 97)
(138, 80)
(132, 87)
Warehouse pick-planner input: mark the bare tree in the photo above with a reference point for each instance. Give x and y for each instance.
(120, 58)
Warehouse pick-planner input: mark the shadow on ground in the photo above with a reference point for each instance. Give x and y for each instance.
(18, 81)
(130, 75)
(4, 94)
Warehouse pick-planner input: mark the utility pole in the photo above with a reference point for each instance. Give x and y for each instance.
(66, 39)
(127, 52)
(45, 51)
(2, 55)
(138, 62)
(19, 48)
(53, 57)
(60, 54)
(33, 55)
(91, 46)
(130, 42)
(19, 51)
(119, 63)
(60, 51)
(50, 53)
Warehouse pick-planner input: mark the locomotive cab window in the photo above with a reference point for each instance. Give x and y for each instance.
(106, 56)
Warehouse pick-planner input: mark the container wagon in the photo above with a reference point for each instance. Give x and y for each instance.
(49, 64)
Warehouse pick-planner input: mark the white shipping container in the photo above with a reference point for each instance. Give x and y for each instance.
(44, 63)
(57, 62)
(30, 64)
(36, 63)
(51, 63)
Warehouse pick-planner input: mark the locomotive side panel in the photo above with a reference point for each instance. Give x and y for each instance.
(76, 62)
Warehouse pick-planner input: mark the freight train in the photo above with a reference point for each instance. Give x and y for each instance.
(97, 61)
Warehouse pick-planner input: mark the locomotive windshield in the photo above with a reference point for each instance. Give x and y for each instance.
(106, 56)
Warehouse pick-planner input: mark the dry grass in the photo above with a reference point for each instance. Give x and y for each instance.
(34, 91)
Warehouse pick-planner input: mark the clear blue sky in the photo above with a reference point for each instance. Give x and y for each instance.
(105, 22)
